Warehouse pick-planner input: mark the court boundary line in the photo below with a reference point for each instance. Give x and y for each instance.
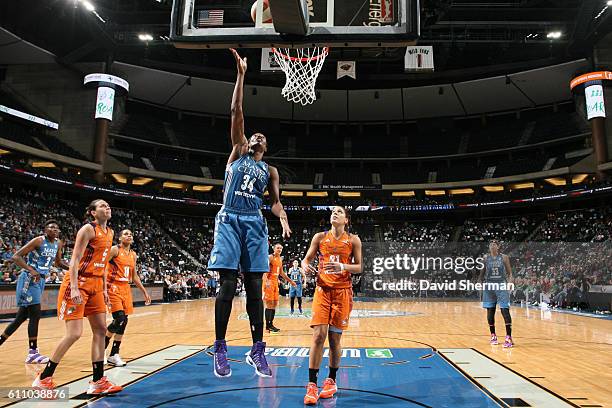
(527, 379)
(89, 375)
(151, 373)
(473, 380)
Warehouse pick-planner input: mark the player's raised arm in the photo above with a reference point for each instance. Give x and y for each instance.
(239, 142)
(277, 206)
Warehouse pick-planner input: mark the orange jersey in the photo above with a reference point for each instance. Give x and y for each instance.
(335, 250)
(122, 266)
(276, 266)
(95, 258)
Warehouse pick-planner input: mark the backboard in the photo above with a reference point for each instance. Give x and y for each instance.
(205, 24)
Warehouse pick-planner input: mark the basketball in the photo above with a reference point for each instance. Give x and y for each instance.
(267, 14)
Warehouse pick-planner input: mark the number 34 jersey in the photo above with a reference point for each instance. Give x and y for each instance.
(245, 183)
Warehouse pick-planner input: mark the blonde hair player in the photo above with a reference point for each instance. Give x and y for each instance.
(339, 257)
(83, 294)
(121, 272)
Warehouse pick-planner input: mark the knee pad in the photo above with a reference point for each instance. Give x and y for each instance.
(228, 283)
(119, 322)
(123, 325)
(253, 286)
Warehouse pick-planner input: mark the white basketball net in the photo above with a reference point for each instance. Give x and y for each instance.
(301, 67)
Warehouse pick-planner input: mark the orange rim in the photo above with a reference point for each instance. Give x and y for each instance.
(303, 59)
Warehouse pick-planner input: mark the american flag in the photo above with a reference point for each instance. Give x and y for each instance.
(207, 18)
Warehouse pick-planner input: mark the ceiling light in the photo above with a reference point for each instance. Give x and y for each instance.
(349, 194)
(554, 35)
(46, 164)
(145, 37)
(316, 194)
(119, 178)
(202, 188)
(403, 194)
(141, 181)
(292, 193)
(88, 5)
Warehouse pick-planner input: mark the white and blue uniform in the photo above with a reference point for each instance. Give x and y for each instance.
(296, 276)
(495, 272)
(241, 233)
(30, 292)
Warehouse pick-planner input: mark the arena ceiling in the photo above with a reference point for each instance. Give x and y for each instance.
(471, 39)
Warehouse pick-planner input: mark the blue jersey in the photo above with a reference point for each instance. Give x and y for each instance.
(495, 269)
(295, 275)
(245, 183)
(43, 257)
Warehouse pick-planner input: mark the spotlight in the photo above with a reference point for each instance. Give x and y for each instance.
(145, 37)
(88, 5)
(554, 35)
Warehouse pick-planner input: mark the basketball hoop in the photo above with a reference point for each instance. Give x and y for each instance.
(301, 67)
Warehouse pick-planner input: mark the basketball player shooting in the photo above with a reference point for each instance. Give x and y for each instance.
(241, 233)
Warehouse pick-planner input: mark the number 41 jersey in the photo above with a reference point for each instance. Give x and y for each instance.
(245, 183)
(339, 251)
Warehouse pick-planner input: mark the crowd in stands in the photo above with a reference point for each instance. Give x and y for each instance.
(592, 225)
(555, 257)
(23, 213)
(510, 229)
(567, 255)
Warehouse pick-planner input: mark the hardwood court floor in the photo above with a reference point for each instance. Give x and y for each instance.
(569, 355)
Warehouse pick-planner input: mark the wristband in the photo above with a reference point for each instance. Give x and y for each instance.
(341, 267)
